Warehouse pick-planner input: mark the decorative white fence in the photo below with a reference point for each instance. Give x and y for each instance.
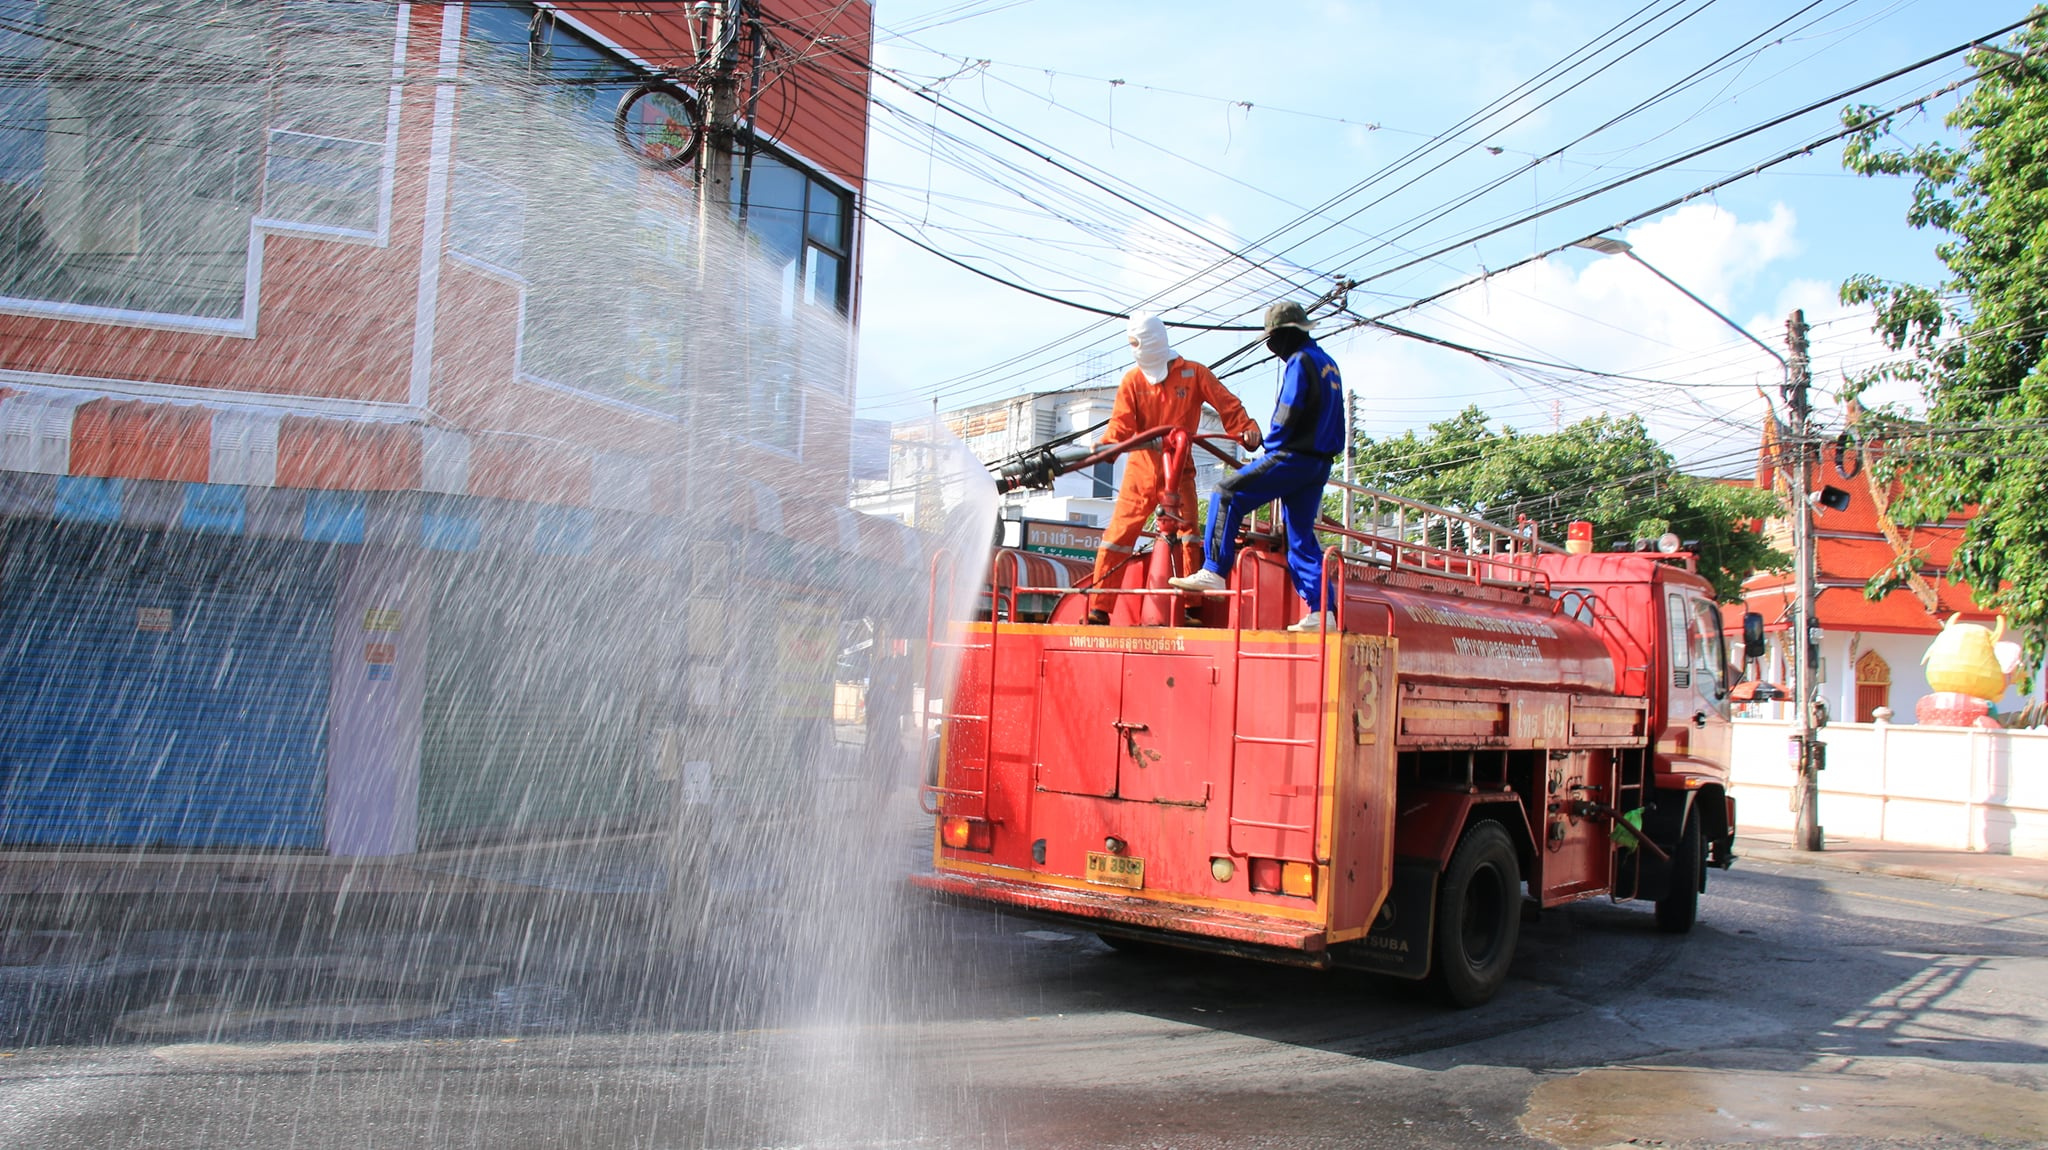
(1956, 788)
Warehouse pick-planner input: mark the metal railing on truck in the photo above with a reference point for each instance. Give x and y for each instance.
(1387, 530)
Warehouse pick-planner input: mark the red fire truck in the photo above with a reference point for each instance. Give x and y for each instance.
(1490, 712)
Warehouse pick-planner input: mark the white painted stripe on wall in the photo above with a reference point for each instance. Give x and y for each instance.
(435, 223)
(97, 387)
(242, 448)
(35, 432)
(620, 482)
(444, 461)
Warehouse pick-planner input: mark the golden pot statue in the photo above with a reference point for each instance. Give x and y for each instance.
(1961, 659)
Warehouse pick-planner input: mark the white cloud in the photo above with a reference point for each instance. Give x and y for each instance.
(1704, 247)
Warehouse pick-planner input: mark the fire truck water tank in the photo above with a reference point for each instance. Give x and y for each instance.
(1480, 642)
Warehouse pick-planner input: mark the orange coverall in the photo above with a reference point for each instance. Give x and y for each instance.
(1141, 405)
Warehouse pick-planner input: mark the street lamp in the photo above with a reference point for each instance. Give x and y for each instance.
(1608, 246)
(1805, 747)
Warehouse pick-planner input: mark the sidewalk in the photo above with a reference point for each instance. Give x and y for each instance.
(597, 875)
(630, 866)
(2002, 873)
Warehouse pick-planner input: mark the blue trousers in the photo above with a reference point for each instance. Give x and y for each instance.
(1297, 482)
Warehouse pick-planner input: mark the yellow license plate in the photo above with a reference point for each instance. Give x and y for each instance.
(1116, 870)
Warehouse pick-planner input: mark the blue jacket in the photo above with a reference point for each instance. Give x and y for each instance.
(1309, 418)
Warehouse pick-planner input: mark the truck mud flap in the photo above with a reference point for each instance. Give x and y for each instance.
(1400, 939)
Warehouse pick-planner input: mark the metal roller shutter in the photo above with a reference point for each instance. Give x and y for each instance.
(541, 678)
(162, 690)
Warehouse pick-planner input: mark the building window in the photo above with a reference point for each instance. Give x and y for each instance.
(330, 122)
(797, 226)
(800, 224)
(133, 188)
(607, 252)
(543, 194)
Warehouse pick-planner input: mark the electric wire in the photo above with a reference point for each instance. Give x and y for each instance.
(1668, 163)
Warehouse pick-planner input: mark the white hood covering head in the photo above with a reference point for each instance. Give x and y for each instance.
(1152, 352)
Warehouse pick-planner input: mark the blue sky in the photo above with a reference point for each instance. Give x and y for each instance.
(1233, 124)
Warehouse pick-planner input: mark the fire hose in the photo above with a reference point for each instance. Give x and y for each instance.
(1627, 833)
(1037, 467)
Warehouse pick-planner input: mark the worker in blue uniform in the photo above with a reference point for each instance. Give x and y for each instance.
(1307, 432)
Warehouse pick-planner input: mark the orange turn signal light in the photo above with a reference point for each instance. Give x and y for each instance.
(965, 834)
(1298, 879)
(1272, 876)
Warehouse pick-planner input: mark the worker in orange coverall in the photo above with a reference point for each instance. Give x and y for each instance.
(1164, 389)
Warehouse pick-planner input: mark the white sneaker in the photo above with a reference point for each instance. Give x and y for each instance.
(1313, 621)
(1202, 580)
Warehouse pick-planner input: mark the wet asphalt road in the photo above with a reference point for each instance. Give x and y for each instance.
(1809, 1008)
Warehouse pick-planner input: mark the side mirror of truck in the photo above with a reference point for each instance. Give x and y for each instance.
(1752, 636)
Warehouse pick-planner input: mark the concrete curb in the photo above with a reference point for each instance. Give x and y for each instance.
(1860, 862)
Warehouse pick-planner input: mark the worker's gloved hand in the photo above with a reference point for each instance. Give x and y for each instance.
(1251, 439)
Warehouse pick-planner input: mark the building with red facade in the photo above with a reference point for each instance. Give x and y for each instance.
(1870, 648)
(363, 405)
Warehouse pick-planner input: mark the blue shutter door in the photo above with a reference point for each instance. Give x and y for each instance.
(163, 690)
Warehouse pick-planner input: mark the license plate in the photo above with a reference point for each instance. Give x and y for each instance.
(1115, 870)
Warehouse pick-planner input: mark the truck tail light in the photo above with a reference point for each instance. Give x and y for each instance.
(965, 834)
(1265, 875)
(1272, 876)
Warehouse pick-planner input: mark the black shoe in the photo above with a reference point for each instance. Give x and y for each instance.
(1098, 618)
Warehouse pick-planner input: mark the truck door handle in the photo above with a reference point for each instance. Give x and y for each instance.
(1699, 719)
(1130, 734)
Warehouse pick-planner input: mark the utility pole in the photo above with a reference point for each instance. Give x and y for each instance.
(716, 27)
(1806, 750)
(717, 71)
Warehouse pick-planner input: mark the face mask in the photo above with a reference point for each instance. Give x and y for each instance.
(1149, 346)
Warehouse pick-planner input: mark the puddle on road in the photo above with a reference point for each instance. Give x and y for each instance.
(1876, 1101)
(205, 1015)
(353, 991)
(230, 1056)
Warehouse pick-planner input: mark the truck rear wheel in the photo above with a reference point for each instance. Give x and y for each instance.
(1680, 906)
(1478, 915)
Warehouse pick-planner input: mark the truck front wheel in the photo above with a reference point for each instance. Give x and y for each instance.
(1680, 905)
(1478, 915)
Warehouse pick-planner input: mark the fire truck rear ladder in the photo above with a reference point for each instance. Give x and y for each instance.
(1240, 657)
(933, 644)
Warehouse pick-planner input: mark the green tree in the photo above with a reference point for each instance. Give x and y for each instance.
(1606, 470)
(1975, 344)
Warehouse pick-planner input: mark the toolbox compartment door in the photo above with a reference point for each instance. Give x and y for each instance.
(1169, 709)
(1079, 700)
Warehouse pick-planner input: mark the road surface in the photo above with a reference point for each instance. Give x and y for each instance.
(1809, 1008)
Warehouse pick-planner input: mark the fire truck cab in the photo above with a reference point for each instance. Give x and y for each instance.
(1493, 725)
